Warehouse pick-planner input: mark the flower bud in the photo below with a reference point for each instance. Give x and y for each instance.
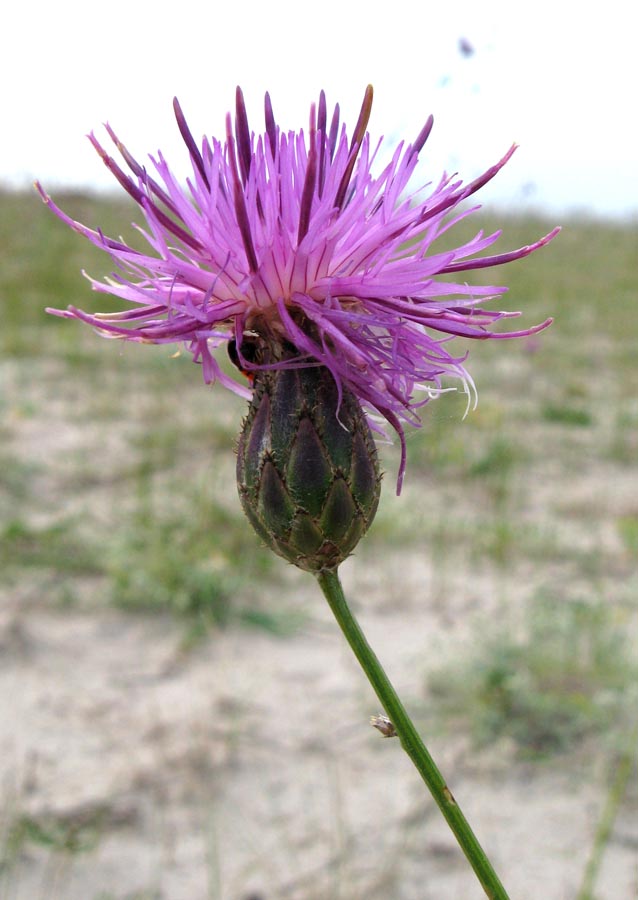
(307, 467)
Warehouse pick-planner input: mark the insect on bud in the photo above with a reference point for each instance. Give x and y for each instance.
(307, 467)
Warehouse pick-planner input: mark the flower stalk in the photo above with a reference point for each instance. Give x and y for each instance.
(410, 739)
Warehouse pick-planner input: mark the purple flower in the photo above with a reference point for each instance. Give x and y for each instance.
(290, 238)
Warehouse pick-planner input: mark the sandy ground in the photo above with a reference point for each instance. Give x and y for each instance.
(245, 768)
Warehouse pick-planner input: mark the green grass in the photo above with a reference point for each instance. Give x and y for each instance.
(52, 835)
(142, 503)
(567, 677)
(117, 486)
(567, 415)
(628, 529)
(186, 561)
(54, 546)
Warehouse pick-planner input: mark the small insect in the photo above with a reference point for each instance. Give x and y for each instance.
(383, 724)
(249, 352)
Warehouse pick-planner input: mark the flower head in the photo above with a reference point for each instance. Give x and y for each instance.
(286, 248)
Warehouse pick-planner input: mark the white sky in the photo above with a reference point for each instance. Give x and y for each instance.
(557, 79)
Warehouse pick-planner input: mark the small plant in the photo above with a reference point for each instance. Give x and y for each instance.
(165, 560)
(55, 835)
(564, 679)
(54, 546)
(567, 415)
(623, 446)
(497, 462)
(628, 530)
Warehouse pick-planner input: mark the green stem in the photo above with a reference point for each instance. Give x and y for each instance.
(624, 769)
(409, 737)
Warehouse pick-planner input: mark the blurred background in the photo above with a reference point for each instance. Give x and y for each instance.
(181, 718)
(556, 80)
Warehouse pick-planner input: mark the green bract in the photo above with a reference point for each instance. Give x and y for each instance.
(307, 467)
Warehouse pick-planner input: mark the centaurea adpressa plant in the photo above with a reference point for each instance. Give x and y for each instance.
(323, 283)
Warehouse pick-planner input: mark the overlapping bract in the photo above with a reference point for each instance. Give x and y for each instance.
(290, 237)
(307, 468)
